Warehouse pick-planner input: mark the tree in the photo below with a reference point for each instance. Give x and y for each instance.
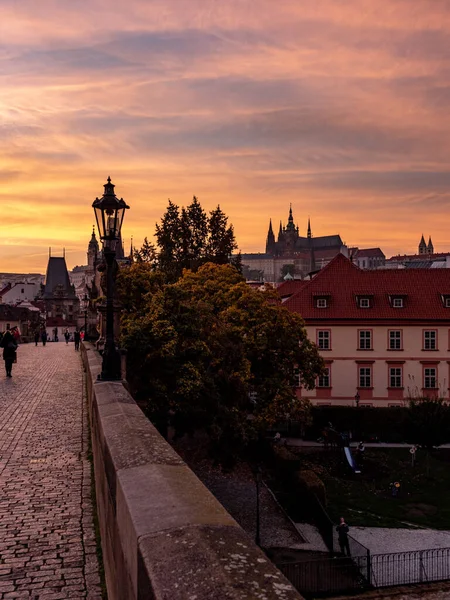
(428, 423)
(146, 254)
(208, 352)
(189, 238)
(285, 269)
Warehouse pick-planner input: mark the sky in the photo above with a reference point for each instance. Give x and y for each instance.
(340, 107)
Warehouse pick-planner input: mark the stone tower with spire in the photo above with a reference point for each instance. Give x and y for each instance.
(430, 247)
(422, 246)
(270, 242)
(93, 250)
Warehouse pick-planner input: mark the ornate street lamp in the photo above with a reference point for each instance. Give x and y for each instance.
(109, 213)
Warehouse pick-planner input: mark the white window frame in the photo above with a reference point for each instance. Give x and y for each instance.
(364, 303)
(323, 339)
(395, 339)
(365, 341)
(447, 302)
(430, 377)
(365, 377)
(321, 303)
(397, 302)
(395, 377)
(430, 339)
(323, 381)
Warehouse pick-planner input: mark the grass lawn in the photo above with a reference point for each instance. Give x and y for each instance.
(365, 499)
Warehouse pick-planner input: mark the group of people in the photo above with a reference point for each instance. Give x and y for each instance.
(42, 336)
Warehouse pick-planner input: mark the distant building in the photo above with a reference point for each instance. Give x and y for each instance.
(369, 258)
(61, 302)
(18, 292)
(302, 254)
(382, 333)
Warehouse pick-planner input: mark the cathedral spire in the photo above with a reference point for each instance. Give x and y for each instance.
(291, 218)
(430, 248)
(422, 246)
(270, 243)
(309, 229)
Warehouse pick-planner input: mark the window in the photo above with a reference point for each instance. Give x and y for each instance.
(397, 302)
(365, 377)
(323, 339)
(395, 377)
(321, 303)
(324, 380)
(297, 380)
(395, 340)
(22, 291)
(364, 303)
(429, 339)
(447, 302)
(365, 340)
(429, 377)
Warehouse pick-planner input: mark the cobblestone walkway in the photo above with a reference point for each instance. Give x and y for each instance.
(47, 541)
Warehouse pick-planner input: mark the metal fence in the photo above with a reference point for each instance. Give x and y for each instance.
(361, 571)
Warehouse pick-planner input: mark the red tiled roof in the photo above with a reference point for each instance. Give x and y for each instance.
(290, 287)
(5, 289)
(418, 257)
(369, 253)
(422, 290)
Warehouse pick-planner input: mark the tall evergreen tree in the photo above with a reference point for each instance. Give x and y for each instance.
(189, 239)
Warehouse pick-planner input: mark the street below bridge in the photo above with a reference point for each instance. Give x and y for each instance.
(47, 537)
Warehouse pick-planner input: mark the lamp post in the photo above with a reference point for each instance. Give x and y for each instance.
(357, 399)
(257, 474)
(109, 213)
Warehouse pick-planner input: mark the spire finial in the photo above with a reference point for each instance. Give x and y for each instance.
(309, 228)
(109, 179)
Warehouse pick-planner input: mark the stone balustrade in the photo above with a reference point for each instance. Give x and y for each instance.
(164, 535)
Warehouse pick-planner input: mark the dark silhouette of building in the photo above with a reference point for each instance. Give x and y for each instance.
(292, 253)
(61, 302)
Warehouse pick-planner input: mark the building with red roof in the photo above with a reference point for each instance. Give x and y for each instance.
(384, 334)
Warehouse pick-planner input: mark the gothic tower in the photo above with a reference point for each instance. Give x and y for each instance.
(93, 250)
(430, 247)
(422, 246)
(270, 243)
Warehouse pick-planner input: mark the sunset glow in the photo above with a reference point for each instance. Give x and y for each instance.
(338, 107)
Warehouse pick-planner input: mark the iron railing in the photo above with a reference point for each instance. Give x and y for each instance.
(328, 576)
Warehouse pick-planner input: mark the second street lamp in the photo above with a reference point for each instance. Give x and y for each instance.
(109, 213)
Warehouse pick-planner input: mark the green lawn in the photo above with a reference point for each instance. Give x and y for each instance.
(424, 494)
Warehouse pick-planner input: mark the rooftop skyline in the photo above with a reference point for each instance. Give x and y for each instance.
(340, 108)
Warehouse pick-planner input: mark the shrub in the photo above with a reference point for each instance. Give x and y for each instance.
(308, 482)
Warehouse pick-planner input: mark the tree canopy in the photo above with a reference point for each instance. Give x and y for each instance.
(208, 352)
(189, 238)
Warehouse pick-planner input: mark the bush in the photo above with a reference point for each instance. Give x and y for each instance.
(384, 424)
(285, 460)
(308, 482)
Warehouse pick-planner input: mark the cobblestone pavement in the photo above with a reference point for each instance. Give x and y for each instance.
(47, 540)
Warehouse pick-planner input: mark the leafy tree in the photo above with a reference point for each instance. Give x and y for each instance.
(208, 352)
(169, 238)
(134, 283)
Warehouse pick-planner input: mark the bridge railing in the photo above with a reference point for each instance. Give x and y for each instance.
(163, 534)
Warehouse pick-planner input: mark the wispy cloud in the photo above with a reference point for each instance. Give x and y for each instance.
(338, 107)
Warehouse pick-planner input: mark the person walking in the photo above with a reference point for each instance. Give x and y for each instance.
(44, 337)
(36, 337)
(76, 339)
(67, 336)
(9, 346)
(343, 530)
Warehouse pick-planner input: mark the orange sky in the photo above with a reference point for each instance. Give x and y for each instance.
(338, 106)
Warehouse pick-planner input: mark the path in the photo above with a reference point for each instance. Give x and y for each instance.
(47, 540)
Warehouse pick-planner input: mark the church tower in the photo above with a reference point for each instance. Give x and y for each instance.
(422, 246)
(270, 243)
(430, 247)
(93, 250)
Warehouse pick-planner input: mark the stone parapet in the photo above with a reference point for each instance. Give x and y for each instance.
(164, 535)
